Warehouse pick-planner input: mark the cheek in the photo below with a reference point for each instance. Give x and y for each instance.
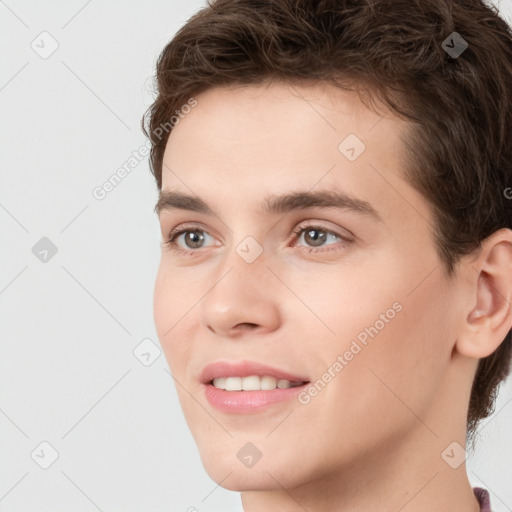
(374, 399)
(382, 326)
(162, 305)
(402, 364)
(170, 306)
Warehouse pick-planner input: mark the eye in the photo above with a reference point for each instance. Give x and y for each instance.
(317, 236)
(194, 237)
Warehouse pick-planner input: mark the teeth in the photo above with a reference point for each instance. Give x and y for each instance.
(234, 384)
(268, 383)
(252, 383)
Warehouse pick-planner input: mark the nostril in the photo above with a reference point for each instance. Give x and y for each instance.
(246, 325)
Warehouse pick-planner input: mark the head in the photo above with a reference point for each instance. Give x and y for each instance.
(262, 99)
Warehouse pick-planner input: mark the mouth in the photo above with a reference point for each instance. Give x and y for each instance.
(248, 387)
(254, 383)
(245, 375)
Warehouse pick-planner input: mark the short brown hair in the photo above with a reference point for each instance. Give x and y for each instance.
(460, 148)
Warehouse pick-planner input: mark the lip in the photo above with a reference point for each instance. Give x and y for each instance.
(245, 369)
(244, 402)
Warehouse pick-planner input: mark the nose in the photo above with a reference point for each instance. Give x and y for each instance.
(244, 298)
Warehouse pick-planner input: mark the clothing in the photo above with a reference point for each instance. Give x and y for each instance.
(482, 495)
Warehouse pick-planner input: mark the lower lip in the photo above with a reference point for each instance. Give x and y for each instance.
(242, 402)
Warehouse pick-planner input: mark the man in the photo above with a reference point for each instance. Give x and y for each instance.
(335, 287)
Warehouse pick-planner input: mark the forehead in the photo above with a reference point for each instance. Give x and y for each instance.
(281, 117)
(243, 142)
(281, 123)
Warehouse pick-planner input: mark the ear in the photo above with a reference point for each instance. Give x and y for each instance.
(489, 318)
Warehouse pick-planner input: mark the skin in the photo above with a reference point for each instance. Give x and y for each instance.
(372, 439)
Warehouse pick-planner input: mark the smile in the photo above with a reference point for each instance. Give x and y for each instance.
(253, 383)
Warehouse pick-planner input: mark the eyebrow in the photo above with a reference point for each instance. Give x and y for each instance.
(273, 204)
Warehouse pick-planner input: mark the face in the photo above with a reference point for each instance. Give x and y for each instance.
(346, 295)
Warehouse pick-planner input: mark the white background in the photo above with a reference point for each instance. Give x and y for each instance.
(68, 375)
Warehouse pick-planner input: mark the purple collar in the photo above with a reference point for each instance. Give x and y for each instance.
(482, 495)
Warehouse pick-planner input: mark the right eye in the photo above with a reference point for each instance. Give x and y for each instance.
(192, 235)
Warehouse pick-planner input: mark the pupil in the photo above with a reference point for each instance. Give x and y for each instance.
(194, 237)
(317, 240)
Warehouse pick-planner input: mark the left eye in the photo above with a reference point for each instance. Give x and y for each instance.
(316, 235)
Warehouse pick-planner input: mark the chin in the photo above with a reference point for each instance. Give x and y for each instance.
(241, 478)
(227, 470)
(241, 481)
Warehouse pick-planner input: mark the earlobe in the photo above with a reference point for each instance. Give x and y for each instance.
(490, 318)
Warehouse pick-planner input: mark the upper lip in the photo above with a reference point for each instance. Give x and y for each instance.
(245, 369)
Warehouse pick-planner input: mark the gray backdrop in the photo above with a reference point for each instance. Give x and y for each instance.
(89, 417)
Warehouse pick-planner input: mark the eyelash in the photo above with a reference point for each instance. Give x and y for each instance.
(171, 244)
